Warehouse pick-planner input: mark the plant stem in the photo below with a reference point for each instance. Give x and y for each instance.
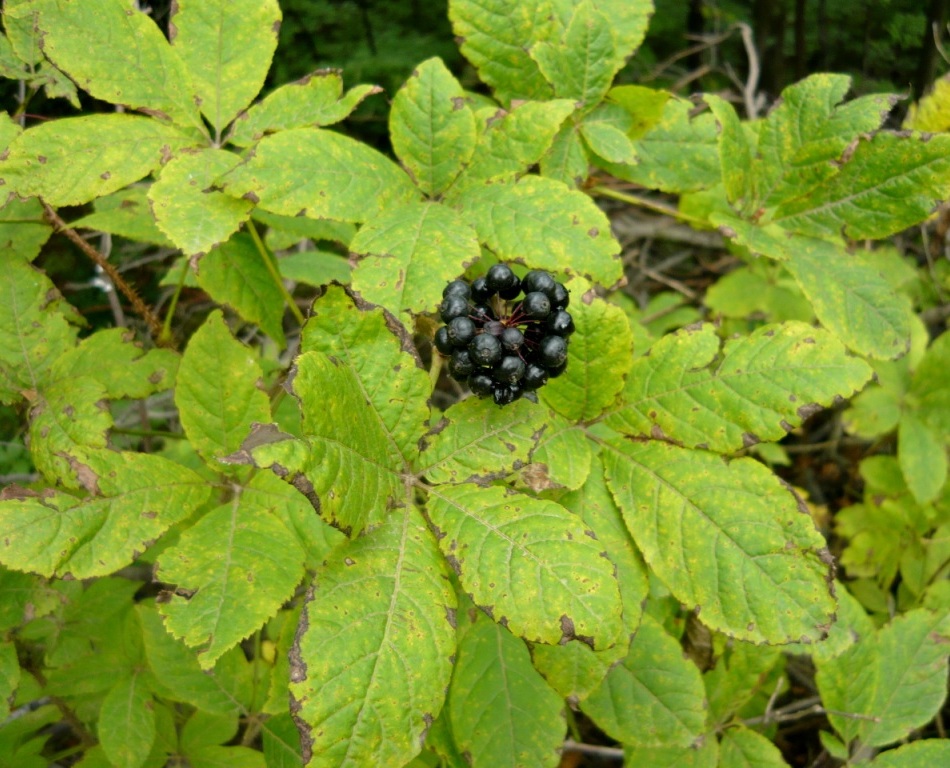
(272, 269)
(643, 202)
(173, 304)
(154, 326)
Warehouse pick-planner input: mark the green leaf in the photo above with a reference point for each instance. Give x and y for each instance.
(573, 670)
(475, 443)
(805, 135)
(432, 127)
(373, 657)
(608, 141)
(34, 332)
(495, 37)
(735, 153)
(23, 229)
(654, 697)
(123, 368)
(680, 153)
(756, 388)
(510, 142)
(409, 252)
(582, 64)
(347, 465)
(568, 160)
(851, 299)
(315, 100)
(705, 755)
(929, 389)
(127, 722)
(738, 677)
(745, 748)
(126, 213)
(598, 358)
(918, 754)
(176, 669)
(236, 566)
(922, 453)
(524, 726)
(9, 676)
(133, 63)
(234, 273)
(218, 391)
(73, 160)
(889, 182)
(760, 289)
(226, 47)
(897, 677)
(23, 598)
(381, 355)
(498, 541)
(195, 217)
(542, 223)
(137, 498)
(729, 540)
(629, 20)
(562, 457)
(320, 174)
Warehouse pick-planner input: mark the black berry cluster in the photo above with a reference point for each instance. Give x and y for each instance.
(505, 336)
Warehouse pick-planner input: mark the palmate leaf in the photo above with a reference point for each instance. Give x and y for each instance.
(495, 37)
(217, 392)
(315, 100)
(234, 568)
(73, 160)
(542, 223)
(226, 47)
(498, 541)
(195, 217)
(524, 725)
(599, 357)
(320, 174)
(373, 655)
(383, 360)
(654, 697)
(347, 463)
(474, 443)
(755, 388)
(138, 497)
(887, 183)
(897, 677)
(134, 65)
(432, 127)
(729, 540)
(409, 252)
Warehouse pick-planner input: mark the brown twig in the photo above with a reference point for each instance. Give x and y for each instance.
(154, 325)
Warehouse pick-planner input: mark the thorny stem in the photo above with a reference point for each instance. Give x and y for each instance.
(154, 326)
(272, 270)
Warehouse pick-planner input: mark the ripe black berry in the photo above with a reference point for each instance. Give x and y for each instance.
(552, 351)
(500, 342)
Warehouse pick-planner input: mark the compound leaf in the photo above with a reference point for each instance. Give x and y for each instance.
(373, 657)
(922, 454)
(315, 100)
(474, 443)
(495, 37)
(133, 63)
(498, 541)
(233, 569)
(226, 47)
(217, 392)
(599, 356)
(727, 539)
(897, 677)
(383, 360)
(73, 160)
(127, 722)
(432, 127)
(542, 223)
(321, 174)
(755, 388)
(524, 725)
(195, 217)
(234, 273)
(654, 697)
(137, 498)
(887, 183)
(409, 252)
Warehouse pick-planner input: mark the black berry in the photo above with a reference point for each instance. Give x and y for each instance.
(442, 341)
(457, 288)
(536, 305)
(512, 339)
(501, 278)
(460, 364)
(510, 370)
(552, 351)
(453, 306)
(481, 293)
(534, 376)
(485, 350)
(560, 323)
(538, 280)
(461, 330)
